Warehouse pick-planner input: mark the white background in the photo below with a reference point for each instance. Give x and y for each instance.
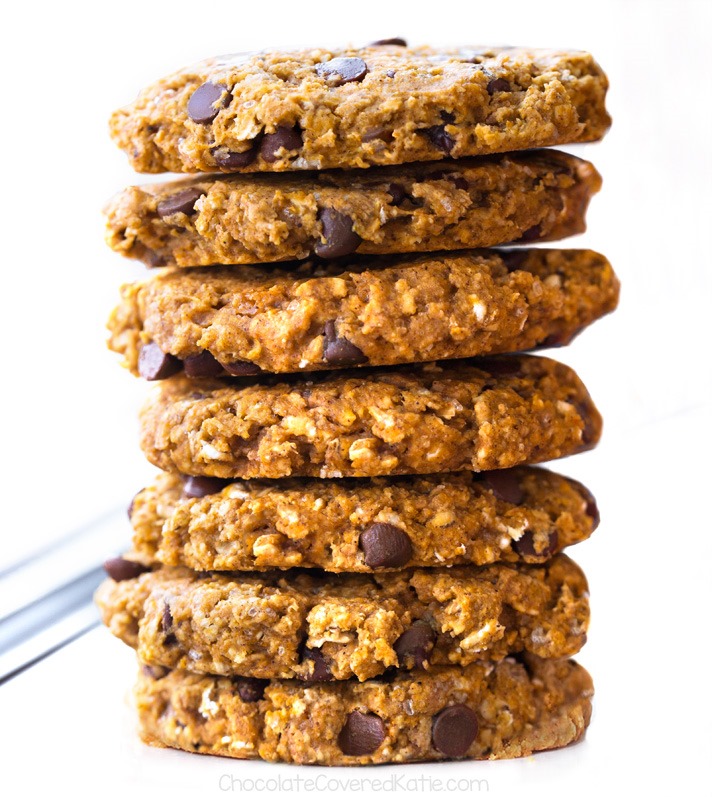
(69, 451)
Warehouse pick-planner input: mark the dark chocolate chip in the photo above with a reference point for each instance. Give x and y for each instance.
(338, 233)
(498, 84)
(154, 363)
(439, 138)
(203, 364)
(454, 730)
(390, 72)
(413, 646)
(532, 234)
(342, 70)
(340, 351)
(166, 619)
(396, 40)
(201, 105)
(524, 546)
(362, 734)
(242, 368)
(447, 117)
(152, 259)
(130, 508)
(182, 202)
(200, 486)
(556, 340)
(321, 671)
(385, 545)
(459, 182)
(251, 690)
(505, 486)
(397, 192)
(286, 138)
(120, 569)
(154, 671)
(591, 505)
(234, 160)
(513, 258)
(378, 133)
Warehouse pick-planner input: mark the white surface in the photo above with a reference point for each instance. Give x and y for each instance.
(69, 446)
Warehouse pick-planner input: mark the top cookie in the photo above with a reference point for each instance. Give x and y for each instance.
(359, 107)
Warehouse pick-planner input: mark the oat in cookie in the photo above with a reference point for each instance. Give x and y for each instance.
(337, 626)
(484, 710)
(530, 196)
(517, 515)
(378, 312)
(359, 107)
(486, 414)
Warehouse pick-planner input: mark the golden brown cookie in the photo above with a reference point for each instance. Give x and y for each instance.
(484, 710)
(531, 196)
(343, 525)
(485, 414)
(320, 627)
(358, 107)
(318, 317)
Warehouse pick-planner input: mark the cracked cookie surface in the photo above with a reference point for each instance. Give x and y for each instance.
(320, 627)
(488, 414)
(530, 196)
(520, 515)
(360, 107)
(322, 317)
(484, 710)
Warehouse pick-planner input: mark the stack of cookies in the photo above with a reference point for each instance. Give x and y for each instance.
(348, 557)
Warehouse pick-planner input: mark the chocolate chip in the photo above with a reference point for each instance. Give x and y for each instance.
(513, 258)
(251, 690)
(286, 138)
(413, 646)
(339, 351)
(120, 569)
(390, 72)
(203, 364)
(591, 505)
(439, 138)
(182, 202)
(385, 545)
(532, 234)
(397, 192)
(152, 259)
(321, 671)
(201, 105)
(154, 363)
(342, 70)
(154, 671)
(234, 160)
(524, 546)
(166, 619)
(447, 117)
(454, 730)
(338, 233)
(242, 368)
(505, 486)
(396, 41)
(498, 84)
(459, 182)
(130, 508)
(200, 486)
(362, 734)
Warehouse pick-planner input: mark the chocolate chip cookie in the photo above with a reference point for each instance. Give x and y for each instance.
(346, 525)
(320, 627)
(531, 196)
(412, 308)
(477, 415)
(358, 107)
(483, 710)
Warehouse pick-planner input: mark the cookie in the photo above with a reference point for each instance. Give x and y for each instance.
(352, 108)
(531, 196)
(517, 515)
(487, 414)
(485, 710)
(317, 626)
(319, 317)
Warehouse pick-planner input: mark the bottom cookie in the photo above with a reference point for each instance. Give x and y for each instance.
(484, 710)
